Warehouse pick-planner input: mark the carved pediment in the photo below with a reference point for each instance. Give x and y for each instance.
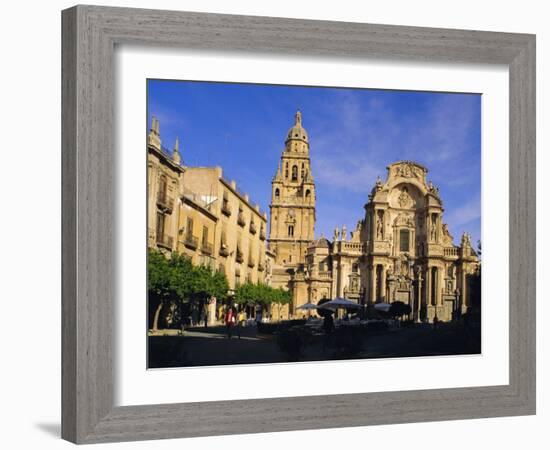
(404, 220)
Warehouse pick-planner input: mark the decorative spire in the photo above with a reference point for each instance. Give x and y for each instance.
(298, 117)
(155, 125)
(176, 157)
(154, 136)
(278, 174)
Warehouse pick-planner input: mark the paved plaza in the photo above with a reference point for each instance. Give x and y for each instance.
(211, 346)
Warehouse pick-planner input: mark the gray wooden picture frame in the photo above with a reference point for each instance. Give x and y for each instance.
(90, 34)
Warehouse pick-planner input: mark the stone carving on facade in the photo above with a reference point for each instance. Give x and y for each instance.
(405, 200)
(344, 233)
(447, 238)
(353, 283)
(466, 240)
(433, 228)
(403, 266)
(380, 225)
(466, 244)
(408, 170)
(433, 189)
(403, 220)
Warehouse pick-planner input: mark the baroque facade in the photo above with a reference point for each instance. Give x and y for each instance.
(400, 251)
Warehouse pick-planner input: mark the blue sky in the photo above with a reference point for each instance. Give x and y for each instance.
(354, 134)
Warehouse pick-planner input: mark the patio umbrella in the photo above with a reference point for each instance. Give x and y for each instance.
(340, 302)
(307, 306)
(384, 307)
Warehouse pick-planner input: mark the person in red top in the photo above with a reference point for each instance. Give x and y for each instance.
(229, 320)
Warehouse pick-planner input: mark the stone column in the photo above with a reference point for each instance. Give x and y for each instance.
(343, 277)
(372, 284)
(419, 298)
(438, 284)
(383, 284)
(428, 286)
(464, 303)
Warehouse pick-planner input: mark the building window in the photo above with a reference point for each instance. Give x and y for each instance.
(291, 230)
(277, 193)
(355, 268)
(189, 231)
(294, 173)
(162, 186)
(237, 278)
(204, 236)
(160, 226)
(404, 236)
(321, 267)
(308, 193)
(286, 170)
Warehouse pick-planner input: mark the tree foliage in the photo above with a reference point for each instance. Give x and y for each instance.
(176, 278)
(261, 294)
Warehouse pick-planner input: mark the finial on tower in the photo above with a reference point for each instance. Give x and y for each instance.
(298, 117)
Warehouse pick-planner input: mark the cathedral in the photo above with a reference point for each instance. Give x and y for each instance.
(401, 250)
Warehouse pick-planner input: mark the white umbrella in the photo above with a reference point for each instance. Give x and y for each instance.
(385, 307)
(307, 306)
(340, 302)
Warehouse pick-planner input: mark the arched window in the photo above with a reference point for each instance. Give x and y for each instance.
(277, 193)
(294, 173)
(291, 230)
(303, 169)
(308, 193)
(286, 170)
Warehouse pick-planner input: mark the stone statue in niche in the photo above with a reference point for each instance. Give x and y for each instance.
(433, 229)
(380, 225)
(404, 199)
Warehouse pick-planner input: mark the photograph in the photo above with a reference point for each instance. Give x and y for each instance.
(291, 224)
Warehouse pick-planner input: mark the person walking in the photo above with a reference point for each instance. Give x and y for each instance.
(240, 322)
(229, 319)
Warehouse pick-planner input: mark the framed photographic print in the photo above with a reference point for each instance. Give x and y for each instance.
(323, 224)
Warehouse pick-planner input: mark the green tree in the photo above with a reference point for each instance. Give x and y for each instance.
(176, 280)
(159, 282)
(261, 294)
(182, 276)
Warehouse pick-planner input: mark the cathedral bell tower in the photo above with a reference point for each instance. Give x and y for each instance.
(292, 207)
